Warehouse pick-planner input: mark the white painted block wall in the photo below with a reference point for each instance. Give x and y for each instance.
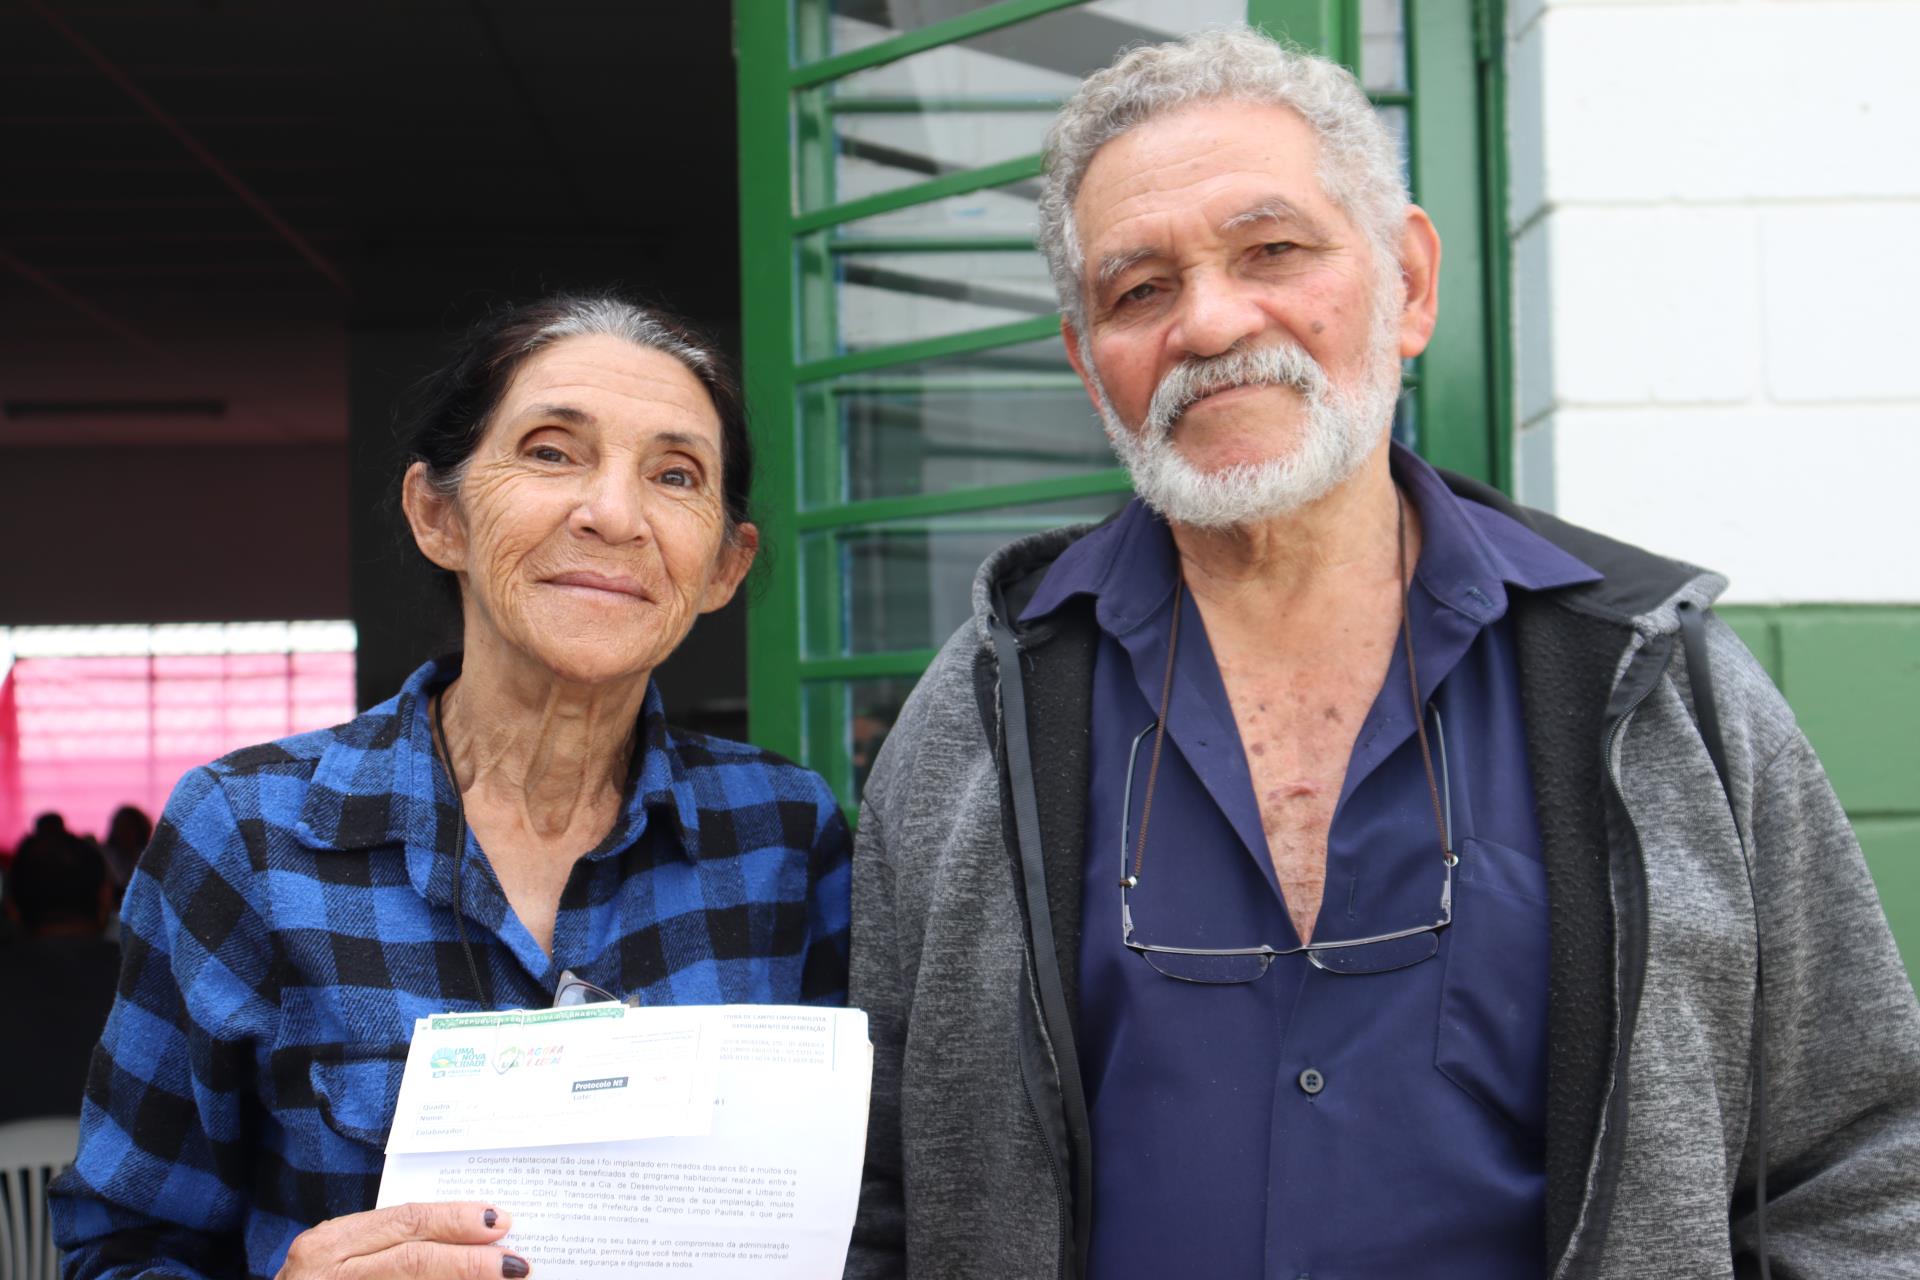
(1716, 221)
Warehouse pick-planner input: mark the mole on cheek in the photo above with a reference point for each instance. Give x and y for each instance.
(1319, 326)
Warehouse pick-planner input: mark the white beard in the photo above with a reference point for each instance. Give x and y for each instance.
(1342, 427)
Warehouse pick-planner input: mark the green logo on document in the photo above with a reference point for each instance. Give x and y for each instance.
(457, 1060)
(507, 1059)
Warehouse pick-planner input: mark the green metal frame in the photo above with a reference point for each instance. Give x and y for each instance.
(929, 106)
(794, 232)
(932, 36)
(1002, 335)
(1490, 26)
(763, 36)
(1027, 493)
(1463, 395)
(949, 184)
(928, 244)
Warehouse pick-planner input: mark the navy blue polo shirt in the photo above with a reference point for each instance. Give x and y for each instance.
(1317, 1124)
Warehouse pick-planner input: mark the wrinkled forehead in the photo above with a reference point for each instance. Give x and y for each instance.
(598, 379)
(1210, 163)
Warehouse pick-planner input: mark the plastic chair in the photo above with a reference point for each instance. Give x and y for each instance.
(31, 1153)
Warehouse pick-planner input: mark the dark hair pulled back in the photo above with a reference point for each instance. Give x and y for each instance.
(455, 402)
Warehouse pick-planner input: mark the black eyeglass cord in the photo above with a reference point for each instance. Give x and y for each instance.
(1413, 680)
(1159, 735)
(459, 848)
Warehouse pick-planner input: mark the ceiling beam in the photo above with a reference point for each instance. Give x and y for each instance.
(197, 149)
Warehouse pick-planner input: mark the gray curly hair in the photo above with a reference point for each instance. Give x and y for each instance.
(1359, 164)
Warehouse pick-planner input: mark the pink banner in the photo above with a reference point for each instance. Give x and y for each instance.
(83, 736)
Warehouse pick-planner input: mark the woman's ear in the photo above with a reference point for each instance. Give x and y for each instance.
(736, 557)
(435, 522)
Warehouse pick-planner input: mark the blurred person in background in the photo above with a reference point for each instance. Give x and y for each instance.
(127, 836)
(57, 974)
(517, 827)
(46, 824)
(49, 825)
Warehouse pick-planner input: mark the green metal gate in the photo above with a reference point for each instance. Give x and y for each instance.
(910, 395)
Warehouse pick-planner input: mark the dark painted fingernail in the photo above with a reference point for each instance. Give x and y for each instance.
(490, 1217)
(513, 1266)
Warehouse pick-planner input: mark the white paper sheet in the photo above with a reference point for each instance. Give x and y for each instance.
(767, 1190)
(586, 1073)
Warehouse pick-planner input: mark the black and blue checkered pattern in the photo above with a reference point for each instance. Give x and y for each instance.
(294, 916)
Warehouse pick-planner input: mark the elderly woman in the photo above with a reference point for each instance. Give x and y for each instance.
(516, 826)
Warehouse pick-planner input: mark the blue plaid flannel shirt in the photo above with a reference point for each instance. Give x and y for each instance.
(293, 917)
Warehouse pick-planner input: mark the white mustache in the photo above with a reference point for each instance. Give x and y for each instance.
(1265, 366)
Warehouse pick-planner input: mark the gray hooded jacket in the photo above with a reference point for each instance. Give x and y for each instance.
(966, 939)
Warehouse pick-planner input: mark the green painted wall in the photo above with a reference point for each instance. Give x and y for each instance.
(1852, 675)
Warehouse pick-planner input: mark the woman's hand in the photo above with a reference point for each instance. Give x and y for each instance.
(450, 1241)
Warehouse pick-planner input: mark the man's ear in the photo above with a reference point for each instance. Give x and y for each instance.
(1420, 273)
(436, 526)
(736, 557)
(1071, 336)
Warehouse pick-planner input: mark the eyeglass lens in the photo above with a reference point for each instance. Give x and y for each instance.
(572, 991)
(1226, 968)
(1215, 970)
(1377, 957)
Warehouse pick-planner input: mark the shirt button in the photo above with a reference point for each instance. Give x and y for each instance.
(1312, 1082)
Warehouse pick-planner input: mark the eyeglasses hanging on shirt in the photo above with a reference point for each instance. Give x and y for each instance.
(575, 990)
(1377, 953)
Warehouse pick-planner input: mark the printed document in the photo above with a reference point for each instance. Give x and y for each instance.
(691, 1141)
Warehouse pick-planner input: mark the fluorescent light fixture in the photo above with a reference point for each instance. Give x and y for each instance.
(184, 407)
(171, 638)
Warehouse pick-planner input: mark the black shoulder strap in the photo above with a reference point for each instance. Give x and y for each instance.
(1693, 637)
(1053, 997)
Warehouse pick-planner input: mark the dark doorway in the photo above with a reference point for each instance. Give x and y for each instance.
(233, 232)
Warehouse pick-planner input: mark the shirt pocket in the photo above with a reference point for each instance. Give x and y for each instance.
(1492, 1041)
(347, 1091)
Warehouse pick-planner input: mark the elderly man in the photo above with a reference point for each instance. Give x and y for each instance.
(1316, 870)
